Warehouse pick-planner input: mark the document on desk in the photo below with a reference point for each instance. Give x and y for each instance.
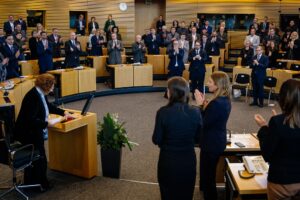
(54, 119)
(255, 164)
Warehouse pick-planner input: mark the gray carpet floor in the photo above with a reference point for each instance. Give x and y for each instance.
(138, 174)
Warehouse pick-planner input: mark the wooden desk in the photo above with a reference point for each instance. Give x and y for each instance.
(143, 75)
(216, 61)
(17, 94)
(73, 146)
(158, 63)
(251, 147)
(71, 81)
(280, 74)
(29, 67)
(99, 63)
(222, 57)
(255, 187)
(163, 50)
(227, 49)
(123, 75)
(289, 62)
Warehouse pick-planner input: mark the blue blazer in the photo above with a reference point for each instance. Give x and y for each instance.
(259, 71)
(77, 26)
(7, 28)
(96, 47)
(153, 46)
(45, 56)
(172, 63)
(13, 66)
(209, 29)
(215, 116)
(197, 67)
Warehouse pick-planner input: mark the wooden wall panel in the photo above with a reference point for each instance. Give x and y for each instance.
(57, 13)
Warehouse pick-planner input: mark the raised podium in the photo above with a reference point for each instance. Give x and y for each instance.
(73, 146)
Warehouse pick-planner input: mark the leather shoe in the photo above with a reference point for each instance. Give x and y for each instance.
(260, 105)
(253, 104)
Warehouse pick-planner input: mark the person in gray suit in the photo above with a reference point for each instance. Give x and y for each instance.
(254, 39)
(114, 48)
(3, 64)
(184, 44)
(138, 50)
(171, 37)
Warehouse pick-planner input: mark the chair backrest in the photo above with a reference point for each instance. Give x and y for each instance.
(295, 67)
(270, 81)
(242, 78)
(281, 65)
(4, 144)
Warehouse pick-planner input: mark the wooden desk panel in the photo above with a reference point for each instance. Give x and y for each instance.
(83, 42)
(123, 75)
(163, 50)
(158, 63)
(99, 63)
(216, 61)
(80, 133)
(289, 62)
(104, 51)
(29, 67)
(86, 80)
(143, 75)
(227, 48)
(222, 57)
(255, 185)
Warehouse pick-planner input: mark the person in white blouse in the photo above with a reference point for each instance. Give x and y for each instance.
(254, 39)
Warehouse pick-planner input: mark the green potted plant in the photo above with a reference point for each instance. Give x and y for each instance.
(112, 136)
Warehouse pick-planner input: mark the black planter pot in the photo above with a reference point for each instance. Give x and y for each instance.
(111, 162)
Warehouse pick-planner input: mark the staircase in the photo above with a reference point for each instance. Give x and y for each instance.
(231, 62)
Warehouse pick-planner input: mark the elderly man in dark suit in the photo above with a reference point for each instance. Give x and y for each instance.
(56, 41)
(9, 26)
(44, 50)
(12, 52)
(197, 59)
(138, 50)
(80, 25)
(73, 51)
(259, 65)
(114, 48)
(176, 65)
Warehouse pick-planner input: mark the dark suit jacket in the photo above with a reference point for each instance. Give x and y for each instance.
(114, 53)
(33, 48)
(7, 28)
(279, 146)
(197, 67)
(190, 39)
(56, 45)
(215, 47)
(207, 47)
(13, 66)
(77, 26)
(296, 50)
(31, 119)
(23, 24)
(177, 127)
(172, 63)
(209, 29)
(72, 57)
(159, 25)
(259, 71)
(96, 47)
(138, 53)
(45, 57)
(246, 61)
(153, 45)
(90, 26)
(215, 117)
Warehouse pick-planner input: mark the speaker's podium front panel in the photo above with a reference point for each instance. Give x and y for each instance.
(73, 146)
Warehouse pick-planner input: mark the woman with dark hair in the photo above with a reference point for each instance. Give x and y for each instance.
(33, 45)
(175, 24)
(31, 126)
(177, 129)
(279, 143)
(213, 140)
(272, 53)
(115, 30)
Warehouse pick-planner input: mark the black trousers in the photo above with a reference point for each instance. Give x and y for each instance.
(208, 167)
(176, 175)
(37, 174)
(197, 82)
(258, 90)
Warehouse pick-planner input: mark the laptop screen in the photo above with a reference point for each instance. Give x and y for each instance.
(87, 104)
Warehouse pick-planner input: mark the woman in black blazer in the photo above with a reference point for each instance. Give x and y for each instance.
(213, 139)
(31, 126)
(177, 129)
(279, 142)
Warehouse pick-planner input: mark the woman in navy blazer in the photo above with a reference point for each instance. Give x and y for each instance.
(177, 129)
(176, 64)
(213, 139)
(279, 143)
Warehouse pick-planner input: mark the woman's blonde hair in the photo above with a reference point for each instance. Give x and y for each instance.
(222, 82)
